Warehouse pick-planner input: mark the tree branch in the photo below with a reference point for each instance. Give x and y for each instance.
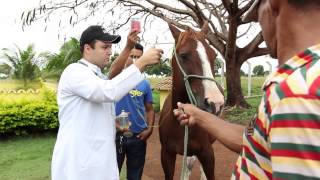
(252, 49)
(227, 5)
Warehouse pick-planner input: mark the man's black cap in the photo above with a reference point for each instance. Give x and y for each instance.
(97, 33)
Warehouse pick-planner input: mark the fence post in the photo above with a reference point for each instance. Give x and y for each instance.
(222, 73)
(270, 67)
(249, 78)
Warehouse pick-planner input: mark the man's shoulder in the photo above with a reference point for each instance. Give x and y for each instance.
(75, 67)
(145, 82)
(144, 85)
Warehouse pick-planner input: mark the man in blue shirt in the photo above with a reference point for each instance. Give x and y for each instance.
(138, 103)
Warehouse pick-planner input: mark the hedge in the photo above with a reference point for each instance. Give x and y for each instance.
(28, 118)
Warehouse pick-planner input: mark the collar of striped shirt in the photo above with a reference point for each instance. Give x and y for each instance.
(310, 54)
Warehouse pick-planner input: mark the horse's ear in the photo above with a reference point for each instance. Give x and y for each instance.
(174, 31)
(205, 28)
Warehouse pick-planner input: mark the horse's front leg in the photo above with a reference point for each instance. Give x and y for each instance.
(168, 161)
(206, 158)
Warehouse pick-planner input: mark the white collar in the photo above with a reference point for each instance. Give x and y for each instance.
(93, 67)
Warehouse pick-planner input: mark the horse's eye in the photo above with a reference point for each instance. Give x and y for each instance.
(183, 56)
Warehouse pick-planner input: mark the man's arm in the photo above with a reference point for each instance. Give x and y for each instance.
(150, 115)
(118, 64)
(230, 135)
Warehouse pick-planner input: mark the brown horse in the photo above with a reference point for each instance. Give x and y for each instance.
(195, 57)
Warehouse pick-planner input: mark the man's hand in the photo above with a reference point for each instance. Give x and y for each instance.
(144, 135)
(151, 56)
(120, 129)
(132, 39)
(187, 114)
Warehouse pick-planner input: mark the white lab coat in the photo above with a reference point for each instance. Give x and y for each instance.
(85, 147)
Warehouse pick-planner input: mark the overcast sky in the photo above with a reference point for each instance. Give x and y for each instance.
(51, 40)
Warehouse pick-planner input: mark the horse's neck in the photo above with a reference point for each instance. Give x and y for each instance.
(179, 93)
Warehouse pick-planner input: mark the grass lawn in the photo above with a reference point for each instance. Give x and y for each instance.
(26, 158)
(29, 158)
(243, 116)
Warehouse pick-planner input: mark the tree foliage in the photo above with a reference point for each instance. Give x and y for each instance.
(258, 70)
(159, 69)
(23, 62)
(69, 53)
(217, 65)
(5, 69)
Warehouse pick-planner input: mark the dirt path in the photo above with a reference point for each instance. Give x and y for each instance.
(225, 160)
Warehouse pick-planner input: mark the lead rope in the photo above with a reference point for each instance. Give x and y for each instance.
(192, 101)
(186, 128)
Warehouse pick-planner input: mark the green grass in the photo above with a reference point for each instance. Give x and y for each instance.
(256, 84)
(26, 158)
(29, 158)
(243, 116)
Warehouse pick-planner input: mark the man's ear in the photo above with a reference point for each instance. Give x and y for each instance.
(87, 46)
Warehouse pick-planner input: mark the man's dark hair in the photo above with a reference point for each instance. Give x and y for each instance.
(91, 44)
(139, 47)
(303, 4)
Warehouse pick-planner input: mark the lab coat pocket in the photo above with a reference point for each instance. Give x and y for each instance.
(96, 152)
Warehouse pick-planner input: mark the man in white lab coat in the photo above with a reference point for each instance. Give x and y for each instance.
(85, 147)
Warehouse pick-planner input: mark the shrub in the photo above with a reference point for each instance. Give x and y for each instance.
(156, 100)
(22, 119)
(24, 115)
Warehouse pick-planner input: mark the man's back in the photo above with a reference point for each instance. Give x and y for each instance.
(285, 139)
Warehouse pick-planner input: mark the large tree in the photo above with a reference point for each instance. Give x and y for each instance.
(258, 70)
(224, 18)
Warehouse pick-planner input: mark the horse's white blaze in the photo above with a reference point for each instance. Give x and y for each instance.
(211, 90)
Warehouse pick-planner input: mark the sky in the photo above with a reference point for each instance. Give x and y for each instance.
(11, 29)
(52, 39)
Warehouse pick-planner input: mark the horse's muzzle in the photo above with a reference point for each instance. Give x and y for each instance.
(211, 108)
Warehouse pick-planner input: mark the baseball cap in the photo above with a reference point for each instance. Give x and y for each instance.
(97, 33)
(252, 14)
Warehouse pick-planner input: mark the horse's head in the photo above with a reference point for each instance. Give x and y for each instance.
(196, 58)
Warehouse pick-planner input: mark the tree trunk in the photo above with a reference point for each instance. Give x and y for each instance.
(234, 93)
(233, 65)
(24, 83)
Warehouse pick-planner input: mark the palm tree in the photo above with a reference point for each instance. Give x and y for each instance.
(69, 53)
(23, 62)
(5, 69)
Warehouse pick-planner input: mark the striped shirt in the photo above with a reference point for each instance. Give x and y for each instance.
(286, 139)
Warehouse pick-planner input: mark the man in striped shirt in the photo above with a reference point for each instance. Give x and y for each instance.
(283, 141)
